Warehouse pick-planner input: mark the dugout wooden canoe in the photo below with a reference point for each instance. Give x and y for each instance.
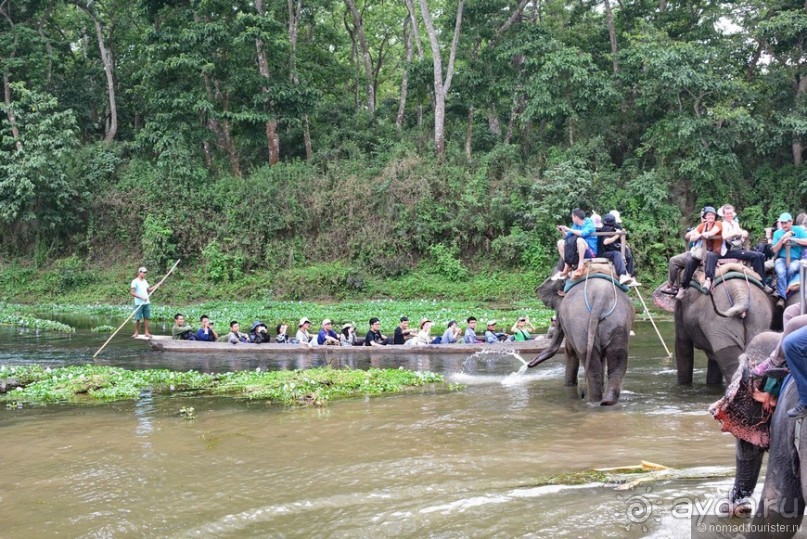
(167, 344)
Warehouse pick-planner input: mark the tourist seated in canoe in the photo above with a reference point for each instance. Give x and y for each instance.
(234, 336)
(206, 331)
(520, 329)
(303, 336)
(181, 330)
(259, 333)
(348, 335)
(491, 335)
(282, 333)
(452, 333)
(374, 336)
(470, 331)
(402, 332)
(424, 336)
(326, 335)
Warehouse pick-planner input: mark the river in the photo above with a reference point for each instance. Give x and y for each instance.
(462, 464)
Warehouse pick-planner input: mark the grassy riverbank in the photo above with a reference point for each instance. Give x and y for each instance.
(80, 384)
(72, 280)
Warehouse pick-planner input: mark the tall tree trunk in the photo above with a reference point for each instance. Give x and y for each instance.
(399, 118)
(294, 31)
(798, 147)
(612, 35)
(109, 70)
(493, 121)
(272, 138)
(469, 132)
(441, 86)
(222, 129)
(110, 126)
(365, 53)
(12, 118)
(309, 150)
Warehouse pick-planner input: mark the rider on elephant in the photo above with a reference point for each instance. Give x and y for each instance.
(785, 271)
(733, 238)
(710, 232)
(610, 247)
(792, 319)
(579, 242)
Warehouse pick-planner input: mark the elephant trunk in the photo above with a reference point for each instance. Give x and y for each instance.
(740, 299)
(554, 346)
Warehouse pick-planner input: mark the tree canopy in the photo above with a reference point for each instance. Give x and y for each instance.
(274, 133)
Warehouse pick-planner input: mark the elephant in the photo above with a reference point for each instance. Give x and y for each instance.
(720, 323)
(782, 503)
(595, 316)
(742, 414)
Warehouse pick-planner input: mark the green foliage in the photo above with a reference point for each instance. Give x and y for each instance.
(13, 315)
(687, 112)
(222, 266)
(36, 192)
(446, 262)
(37, 385)
(158, 244)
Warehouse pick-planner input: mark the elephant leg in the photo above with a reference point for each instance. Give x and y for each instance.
(572, 366)
(782, 499)
(748, 458)
(684, 357)
(713, 375)
(595, 371)
(617, 367)
(727, 360)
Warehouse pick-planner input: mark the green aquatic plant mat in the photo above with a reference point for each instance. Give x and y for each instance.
(88, 383)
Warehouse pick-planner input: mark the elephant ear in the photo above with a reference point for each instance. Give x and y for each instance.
(547, 292)
(741, 413)
(664, 302)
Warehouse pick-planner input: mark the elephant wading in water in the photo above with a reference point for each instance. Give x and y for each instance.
(781, 505)
(595, 317)
(720, 323)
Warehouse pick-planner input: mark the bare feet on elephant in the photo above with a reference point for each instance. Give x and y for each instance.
(578, 273)
(680, 293)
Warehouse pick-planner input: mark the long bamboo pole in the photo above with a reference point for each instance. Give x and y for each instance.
(133, 312)
(647, 311)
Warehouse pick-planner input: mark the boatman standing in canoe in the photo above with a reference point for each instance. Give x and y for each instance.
(140, 290)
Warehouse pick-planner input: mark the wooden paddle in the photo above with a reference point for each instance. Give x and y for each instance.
(133, 312)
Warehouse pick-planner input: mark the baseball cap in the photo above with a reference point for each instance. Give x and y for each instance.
(785, 217)
(142, 269)
(303, 320)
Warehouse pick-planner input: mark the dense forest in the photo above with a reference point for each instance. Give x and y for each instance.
(381, 133)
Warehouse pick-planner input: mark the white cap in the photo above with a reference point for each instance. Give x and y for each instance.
(303, 320)
(142, 269)
(326, 321)
(616, 216)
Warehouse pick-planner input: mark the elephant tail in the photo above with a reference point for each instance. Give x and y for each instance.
(554, 346)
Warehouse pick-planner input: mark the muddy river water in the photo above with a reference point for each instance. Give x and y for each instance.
(462, 464)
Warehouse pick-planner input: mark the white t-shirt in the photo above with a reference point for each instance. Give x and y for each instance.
(303, 336)
(141, 288)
